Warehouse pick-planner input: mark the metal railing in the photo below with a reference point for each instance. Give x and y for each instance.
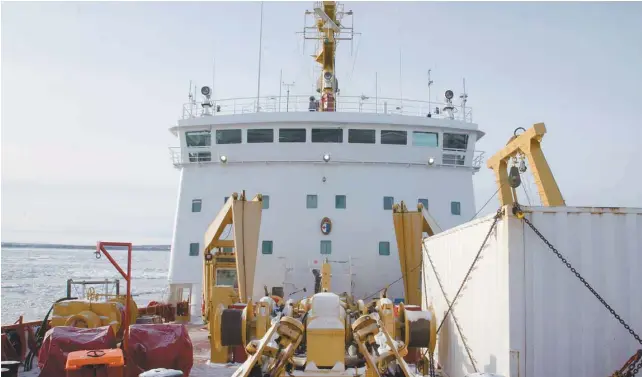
(195, 156)
(345, 104)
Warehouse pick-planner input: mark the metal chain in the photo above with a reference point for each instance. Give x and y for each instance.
(431, 365)
(586, 284)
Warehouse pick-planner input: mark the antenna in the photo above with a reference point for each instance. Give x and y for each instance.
(280, 87)
(213, 76)
(190, 98)
(258, 89)
(287, 101)
(464, 99)
(400, 82)
(429, 98)
(376, 92)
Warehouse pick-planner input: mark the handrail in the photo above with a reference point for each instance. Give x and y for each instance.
(344, 104)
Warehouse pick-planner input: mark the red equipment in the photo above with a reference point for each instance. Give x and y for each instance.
(60, 341)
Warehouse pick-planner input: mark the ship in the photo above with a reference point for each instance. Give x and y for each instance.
(332, 236)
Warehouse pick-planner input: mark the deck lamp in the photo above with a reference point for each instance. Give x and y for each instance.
(223, 158)
(326, 157)
(431, 161)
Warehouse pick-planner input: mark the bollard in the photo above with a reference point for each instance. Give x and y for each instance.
(162, 372)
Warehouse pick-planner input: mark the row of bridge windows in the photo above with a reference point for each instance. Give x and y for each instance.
(326, 135)
(340, 202)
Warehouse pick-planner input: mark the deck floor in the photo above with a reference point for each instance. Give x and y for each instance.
(202, 367)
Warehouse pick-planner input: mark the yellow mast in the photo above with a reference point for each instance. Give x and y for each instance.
(328, 28)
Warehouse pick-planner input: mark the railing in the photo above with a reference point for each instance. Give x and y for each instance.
(180, 158)
(345, 104)
(478, 159)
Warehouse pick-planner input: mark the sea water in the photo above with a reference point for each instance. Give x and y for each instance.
(32, 279)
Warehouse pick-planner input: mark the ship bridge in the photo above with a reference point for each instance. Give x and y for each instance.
(406, 132)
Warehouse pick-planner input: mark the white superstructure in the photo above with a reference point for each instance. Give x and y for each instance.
(349, 165)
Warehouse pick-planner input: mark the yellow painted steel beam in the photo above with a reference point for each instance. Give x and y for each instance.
(326, 276)
(409, 228)
(222, 219)
(246, 217)
(529, 144)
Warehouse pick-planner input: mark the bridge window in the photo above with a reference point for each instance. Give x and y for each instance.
(326, 247)
(266, 247)
(455, 141)
(200, 156)
(228, 249)
(394, 137)
(453, 159)
(266, 201)
(311, 201)
(455, 208)
(260, 135)
(387, 202)
(193, 249)
(424, 139)
(292, 135)
(327, 135)
(384, 248)
(361, 136)
(225, 200)
(198, 138)
(228, 136)
(196, 205)
(424, 202)
(340, 201)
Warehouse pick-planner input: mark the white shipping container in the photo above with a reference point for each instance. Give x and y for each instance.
(522, 312)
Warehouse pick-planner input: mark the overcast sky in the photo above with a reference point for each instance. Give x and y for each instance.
(90, 89)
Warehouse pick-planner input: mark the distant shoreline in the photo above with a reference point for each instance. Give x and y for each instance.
(21, 245)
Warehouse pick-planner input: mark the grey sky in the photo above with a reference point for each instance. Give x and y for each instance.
(89, 90)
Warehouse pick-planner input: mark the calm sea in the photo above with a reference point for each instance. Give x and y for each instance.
(32, 279)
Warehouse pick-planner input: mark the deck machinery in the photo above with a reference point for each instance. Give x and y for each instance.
(327, 333)
(324, 334)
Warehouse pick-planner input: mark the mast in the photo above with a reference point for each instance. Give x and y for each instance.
(328, 30)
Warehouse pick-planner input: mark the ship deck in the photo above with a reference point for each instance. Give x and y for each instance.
(202, 367)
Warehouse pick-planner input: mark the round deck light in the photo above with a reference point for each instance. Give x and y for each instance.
(431, 161)
(223, 158)
(326, 157)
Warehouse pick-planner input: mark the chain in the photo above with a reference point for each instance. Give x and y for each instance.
(431, 365)
(520, 214)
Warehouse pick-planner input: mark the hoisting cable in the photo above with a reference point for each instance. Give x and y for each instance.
(517, 211)
(496, 218)
(40, 335)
